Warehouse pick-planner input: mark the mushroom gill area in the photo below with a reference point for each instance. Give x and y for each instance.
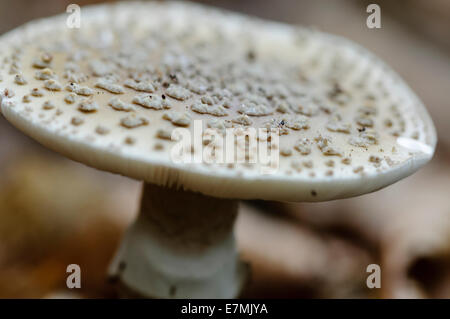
(123, 82)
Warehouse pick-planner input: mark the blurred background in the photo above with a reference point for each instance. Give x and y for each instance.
(55, 212)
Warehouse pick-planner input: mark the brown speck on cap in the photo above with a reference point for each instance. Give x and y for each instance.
(88, 106)
(151, 101)
(254, 108)
(133, 121)
(119, 105)
(375, 159)
(130, 140)
(70, 98)
(298, 122)
(296, 165)
(101, 130)
(364, 139)
(109, 86)
(26, 98)
(286, 151)
(45, 74)
(36, 92)
(365, 121)
(8, 93)
(308, 164)
(325, 145)
(46, 57)
(216, 110)
(346, 161)
(178, 92)
(303, 146)
(19, 79)
(39, 63)
(52, 85)
(79, 90)
(140, 86)
(76, 121)
(337, 126)
(48, 105)
(358, 169)
(178, 118)
(164, 134)
(242, 120)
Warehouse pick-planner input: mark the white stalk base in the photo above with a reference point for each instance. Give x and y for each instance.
(181, 246)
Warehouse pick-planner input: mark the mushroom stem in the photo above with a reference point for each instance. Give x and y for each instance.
(182, 245)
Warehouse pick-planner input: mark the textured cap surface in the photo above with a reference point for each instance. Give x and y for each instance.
(110, 94)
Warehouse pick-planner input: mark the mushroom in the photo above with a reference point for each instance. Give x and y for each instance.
(338, 120)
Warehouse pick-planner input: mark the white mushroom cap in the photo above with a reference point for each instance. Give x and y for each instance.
(109, 94)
